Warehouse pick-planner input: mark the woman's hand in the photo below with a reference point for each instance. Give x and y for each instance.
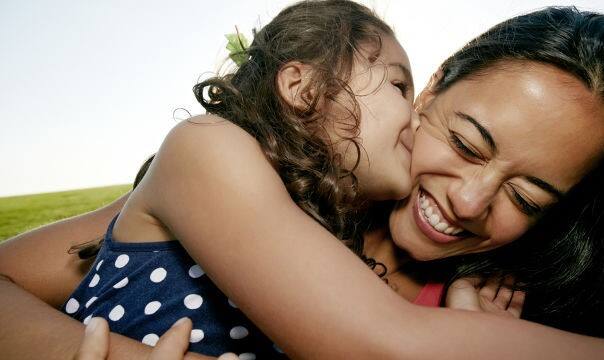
(171, 346)
(492, 296)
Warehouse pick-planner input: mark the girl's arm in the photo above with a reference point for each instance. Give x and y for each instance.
(38, 262)
(216, 192)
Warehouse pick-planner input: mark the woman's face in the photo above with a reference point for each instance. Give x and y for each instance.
(491, 154)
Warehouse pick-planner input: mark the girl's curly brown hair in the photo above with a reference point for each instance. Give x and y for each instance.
(327, 35)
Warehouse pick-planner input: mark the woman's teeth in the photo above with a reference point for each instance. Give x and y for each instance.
(431, 214)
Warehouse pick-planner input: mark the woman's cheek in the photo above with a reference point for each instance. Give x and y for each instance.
(508, 224)
(431, 154)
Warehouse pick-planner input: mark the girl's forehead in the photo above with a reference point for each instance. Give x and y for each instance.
(392, 50)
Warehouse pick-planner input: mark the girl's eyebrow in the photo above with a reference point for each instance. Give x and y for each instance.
(404, 70)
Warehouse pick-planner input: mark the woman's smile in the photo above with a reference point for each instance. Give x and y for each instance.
(434, 222)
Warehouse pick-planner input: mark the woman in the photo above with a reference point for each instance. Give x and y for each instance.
(474, 184)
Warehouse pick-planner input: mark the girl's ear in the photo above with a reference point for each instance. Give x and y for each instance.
(292, 81)
(427, 95)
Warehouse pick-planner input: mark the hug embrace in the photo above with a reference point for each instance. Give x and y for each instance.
(320, 210)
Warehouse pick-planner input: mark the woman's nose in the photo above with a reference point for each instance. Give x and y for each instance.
(471, 197)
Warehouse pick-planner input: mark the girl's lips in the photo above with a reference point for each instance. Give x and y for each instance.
(427, 229)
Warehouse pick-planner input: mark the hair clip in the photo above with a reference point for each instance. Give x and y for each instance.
(237, 46)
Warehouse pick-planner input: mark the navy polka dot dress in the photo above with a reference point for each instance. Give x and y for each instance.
(143, 288)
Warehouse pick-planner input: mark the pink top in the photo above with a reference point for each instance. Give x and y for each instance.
(430, 295)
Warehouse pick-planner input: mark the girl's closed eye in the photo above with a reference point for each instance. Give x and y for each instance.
(403, 87)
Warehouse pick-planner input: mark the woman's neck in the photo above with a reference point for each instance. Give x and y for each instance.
(379, 246)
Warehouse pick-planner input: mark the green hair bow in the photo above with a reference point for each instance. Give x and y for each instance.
(237, 45)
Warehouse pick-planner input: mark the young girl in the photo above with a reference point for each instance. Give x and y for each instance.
(325, 94)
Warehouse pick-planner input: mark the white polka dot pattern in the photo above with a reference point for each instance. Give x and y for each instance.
(158, 275)
(238, 332)
(72, 306)
(89, 302)
(196, 336)
(152, 307)
(141, 292)
(121, 283)
(150, 339)
(193, 301)
(122, 261)
(195, 271)
(95, 280)
(117, 313)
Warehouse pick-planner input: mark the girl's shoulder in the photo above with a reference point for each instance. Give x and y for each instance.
(212, 130)
(211, 150)
(212, 141)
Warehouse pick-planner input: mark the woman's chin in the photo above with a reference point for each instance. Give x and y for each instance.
(418, 254)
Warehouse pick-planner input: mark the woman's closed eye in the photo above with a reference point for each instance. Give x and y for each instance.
(464, 149)
(526, 206)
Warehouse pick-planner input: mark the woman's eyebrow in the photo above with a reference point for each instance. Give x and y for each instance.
(486, 135)
(545, 186)
(405, 72)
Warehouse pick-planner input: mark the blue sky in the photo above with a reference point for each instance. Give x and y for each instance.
(89, 87)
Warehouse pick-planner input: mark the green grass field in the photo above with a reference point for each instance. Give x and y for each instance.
(22, 213)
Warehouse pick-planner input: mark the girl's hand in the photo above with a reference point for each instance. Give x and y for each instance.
(172, 345)
(491, 297)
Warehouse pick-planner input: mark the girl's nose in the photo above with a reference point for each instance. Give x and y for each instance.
(408, 133)
(414, 120)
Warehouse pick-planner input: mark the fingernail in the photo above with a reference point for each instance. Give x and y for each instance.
(92, 324)
(180, 321)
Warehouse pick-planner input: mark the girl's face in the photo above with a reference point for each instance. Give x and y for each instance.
(383, 89)
(491, 154)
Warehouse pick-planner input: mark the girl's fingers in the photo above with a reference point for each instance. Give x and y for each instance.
(517, 303)
(95, 345)
(174, 343)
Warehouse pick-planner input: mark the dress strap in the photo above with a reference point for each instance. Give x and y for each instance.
(109, 234)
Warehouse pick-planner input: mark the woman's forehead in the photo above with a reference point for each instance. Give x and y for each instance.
(538, 115)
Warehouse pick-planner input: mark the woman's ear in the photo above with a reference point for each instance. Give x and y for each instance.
(292, 80)
(427, 95)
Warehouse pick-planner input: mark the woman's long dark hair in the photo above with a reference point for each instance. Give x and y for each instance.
(560, 261)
